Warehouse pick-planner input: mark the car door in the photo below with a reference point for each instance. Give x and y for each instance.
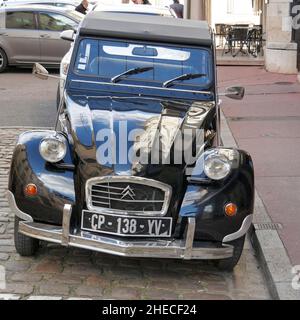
(50, 25)
(21, 37)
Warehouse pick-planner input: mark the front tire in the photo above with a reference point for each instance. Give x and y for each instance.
(25, 246)
(230, 263)
(3, 60)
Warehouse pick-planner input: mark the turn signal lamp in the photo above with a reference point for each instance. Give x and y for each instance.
(231, 209)
(31, 190)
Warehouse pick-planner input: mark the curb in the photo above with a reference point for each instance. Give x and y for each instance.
(266, 241)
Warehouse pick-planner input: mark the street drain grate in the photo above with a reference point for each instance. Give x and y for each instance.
(268, 226)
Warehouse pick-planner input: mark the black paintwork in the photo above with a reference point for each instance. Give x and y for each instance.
(91, 106)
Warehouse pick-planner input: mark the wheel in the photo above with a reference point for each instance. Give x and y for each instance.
(230, 263)
(3, 60)
(25, 245)
(58, 97)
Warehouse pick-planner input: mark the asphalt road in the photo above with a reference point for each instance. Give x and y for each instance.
(26, 100)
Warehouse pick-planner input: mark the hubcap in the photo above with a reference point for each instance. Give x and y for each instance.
(1, 60)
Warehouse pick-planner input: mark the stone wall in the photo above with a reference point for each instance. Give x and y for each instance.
(198, 9)
(281, 53)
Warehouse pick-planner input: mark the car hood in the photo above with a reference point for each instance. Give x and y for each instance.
(92, 118)
(127, 121)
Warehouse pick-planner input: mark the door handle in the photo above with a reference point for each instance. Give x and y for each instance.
(4, 34)
(45, 36)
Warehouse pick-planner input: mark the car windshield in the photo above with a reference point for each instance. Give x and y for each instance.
(108, 59)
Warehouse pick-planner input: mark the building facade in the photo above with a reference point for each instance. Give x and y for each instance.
(282, 45)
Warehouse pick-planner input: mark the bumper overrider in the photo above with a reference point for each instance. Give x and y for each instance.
(187, 248)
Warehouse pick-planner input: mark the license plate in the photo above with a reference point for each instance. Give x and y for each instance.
(126, 226)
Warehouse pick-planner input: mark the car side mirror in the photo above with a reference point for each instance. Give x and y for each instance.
(67, 35)
(42, 73)
(236, 93)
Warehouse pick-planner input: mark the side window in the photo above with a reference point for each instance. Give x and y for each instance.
(55, 22)
(20, 20)
(2, 20)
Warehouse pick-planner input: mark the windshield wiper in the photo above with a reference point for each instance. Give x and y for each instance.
(130, 72)
(187, 76)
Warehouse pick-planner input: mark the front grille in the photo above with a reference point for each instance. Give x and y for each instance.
(128, 195)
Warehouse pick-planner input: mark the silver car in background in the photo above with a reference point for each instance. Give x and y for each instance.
(67, 4)
(31, 33)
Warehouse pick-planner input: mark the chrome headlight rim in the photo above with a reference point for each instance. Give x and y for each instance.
(57, 138)
(218, 156)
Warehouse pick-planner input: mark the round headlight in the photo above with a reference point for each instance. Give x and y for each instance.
(53, 149)
(217, 166)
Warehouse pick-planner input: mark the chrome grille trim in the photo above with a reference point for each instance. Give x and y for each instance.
(95, 183)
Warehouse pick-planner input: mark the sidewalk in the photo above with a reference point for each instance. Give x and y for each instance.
(267, 125)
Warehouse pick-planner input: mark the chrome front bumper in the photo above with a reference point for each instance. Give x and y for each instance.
(187, 249)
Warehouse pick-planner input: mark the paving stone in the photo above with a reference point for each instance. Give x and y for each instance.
(53, 289)
(125, 294)
(74, 298)
(163, 274)
(98, 281)
(64, 278)
(26, 277)
(86, 291)
(48, 267)
(123, 273)
(4, 205)
(15, 256)
(17, 267)
(9, 297)
(4, 214)
(133, 283)
(216, 286)
(205, 296)
(78, 260)
(157, 294)
(44, 298)
(162, 284)
(6, 242)
(19, 288)
(209, 276)
(152, 265)
(2, 227)
(102, 261)
(4, 256)
(192, 286)
(57, 252)
(85, 270)
(81, 253)
(129, 263)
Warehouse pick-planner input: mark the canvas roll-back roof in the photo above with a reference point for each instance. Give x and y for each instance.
(144, 27)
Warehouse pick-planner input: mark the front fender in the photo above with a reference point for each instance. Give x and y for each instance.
(206, 202)
(55, 187)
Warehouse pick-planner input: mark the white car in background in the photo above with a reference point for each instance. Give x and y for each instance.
(121, 8)
(136, 8)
